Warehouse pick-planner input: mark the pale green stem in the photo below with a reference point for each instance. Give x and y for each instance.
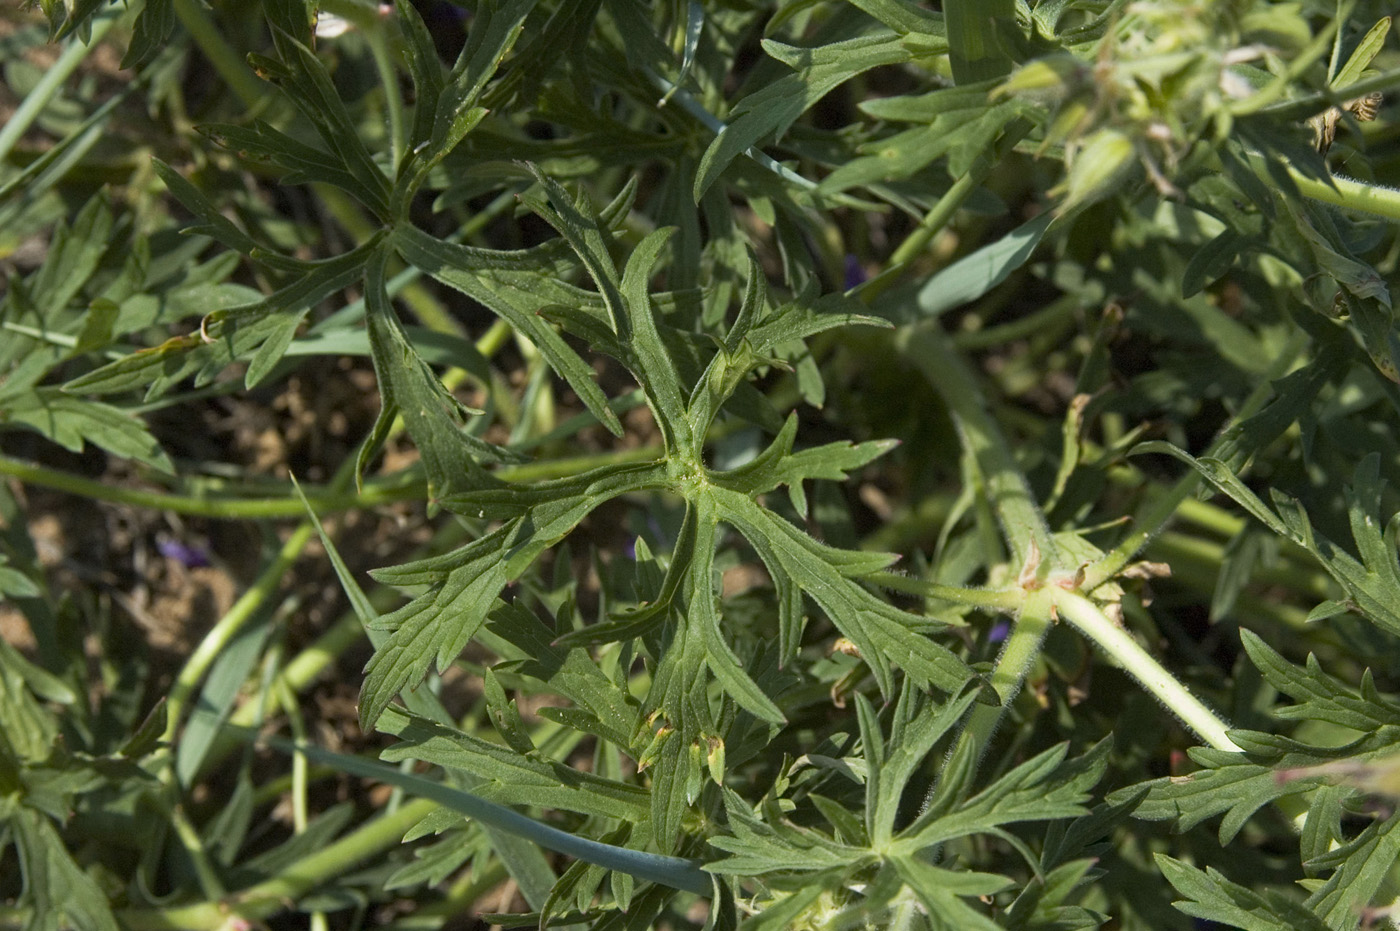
(270, 897)
(1113, 640)
(927, 346)
(233, 71)
(1022, 646)
(194, 845)
(940, 215)
(229, 626)
(205, 505)
(1351, 194)
(52, 81)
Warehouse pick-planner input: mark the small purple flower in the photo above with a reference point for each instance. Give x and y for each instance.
(191, 557)
(999, 632)
(855, 274)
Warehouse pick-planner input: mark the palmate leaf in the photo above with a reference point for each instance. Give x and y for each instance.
(436, 626)
(1228, 784)
(301, 76)
(757, 848)
(702, 612)
(447, 107)
(889, 765)
(434, 418)
(302, 163)
(879, 631)
(628, 303)
(516, 287)
(1238, 784)
(1319, 696)
(601, 707)
(943, 891)
(1043, 788)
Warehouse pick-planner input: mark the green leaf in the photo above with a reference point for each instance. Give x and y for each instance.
(227, 334)
(972, 276)
(1319, 696)
(60, 893)
(1364, 53)
(1228, 784)
(768, 112)
(510, 777)
(434, 417)
(15, 583)
(72, 422)
(628, 303)
(942, 891)
(436, 626)
(1373, 585)
(669, 871)
(980, 33)
(1362, 867)
(880, 632)
(1211, 896)
(74, 256)
(302, 163)
(757, 848)
(514, 286)
(215, 225)
(304, 79)
(151, 32)
(1043, 788)
(601, 706)
(915, 729)
(778, 465)
(702, 611)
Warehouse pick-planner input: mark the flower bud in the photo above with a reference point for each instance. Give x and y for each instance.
(1045, 80)
(1098, 168)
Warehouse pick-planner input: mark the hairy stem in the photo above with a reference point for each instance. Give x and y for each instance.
(1113, 640)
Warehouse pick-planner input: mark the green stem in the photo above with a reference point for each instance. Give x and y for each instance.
(941, 214)
(52, 81)
(1351, 194)
(238, 616)
(232, 69)
(268, 898)
(198, 505)
(1022, 646)
(324, 501)
(1022, 523)
(1090, 621)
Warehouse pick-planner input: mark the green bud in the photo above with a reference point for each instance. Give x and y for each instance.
(715, 759)
(1048, 79)
(1099, 167)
